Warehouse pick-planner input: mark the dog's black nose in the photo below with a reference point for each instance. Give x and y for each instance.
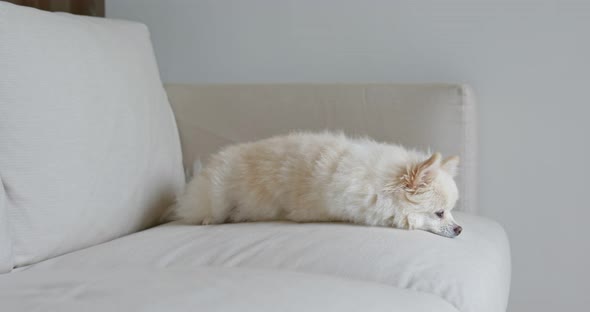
(458, 229)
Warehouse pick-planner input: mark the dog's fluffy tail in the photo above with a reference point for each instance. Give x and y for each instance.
(189, 173)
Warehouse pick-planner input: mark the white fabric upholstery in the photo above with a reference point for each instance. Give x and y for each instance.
(204, 289)
(471, 272)
(440, 117)
(89, 145)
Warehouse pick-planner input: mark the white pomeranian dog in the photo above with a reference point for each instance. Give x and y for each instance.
(307, 177)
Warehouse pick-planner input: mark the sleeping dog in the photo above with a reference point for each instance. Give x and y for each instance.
(321, 177)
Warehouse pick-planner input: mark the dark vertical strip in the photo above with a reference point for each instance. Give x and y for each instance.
(80, 7)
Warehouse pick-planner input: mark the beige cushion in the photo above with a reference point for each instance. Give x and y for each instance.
(440, 117)
(206, 288)
(89, 145)
(472, 271)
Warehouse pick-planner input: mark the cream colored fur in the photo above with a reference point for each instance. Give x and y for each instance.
(306, 177)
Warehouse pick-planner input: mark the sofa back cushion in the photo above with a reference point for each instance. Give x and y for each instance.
(439, 117)
(88, 143)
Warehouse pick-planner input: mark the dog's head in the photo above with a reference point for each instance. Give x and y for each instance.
(425, 193)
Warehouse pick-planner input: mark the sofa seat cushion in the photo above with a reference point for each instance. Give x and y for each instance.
(471, 272)
(203, 289)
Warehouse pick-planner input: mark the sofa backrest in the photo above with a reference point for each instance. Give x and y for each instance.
(89, 149)
(440, 117)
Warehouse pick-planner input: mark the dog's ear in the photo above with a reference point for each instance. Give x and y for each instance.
(451, 165)
(421, 174)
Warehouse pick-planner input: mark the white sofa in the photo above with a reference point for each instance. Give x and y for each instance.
(90, 157)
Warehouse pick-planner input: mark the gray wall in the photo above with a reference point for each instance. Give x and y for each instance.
(529, 62)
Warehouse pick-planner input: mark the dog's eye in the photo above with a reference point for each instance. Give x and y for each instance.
(440, 214)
